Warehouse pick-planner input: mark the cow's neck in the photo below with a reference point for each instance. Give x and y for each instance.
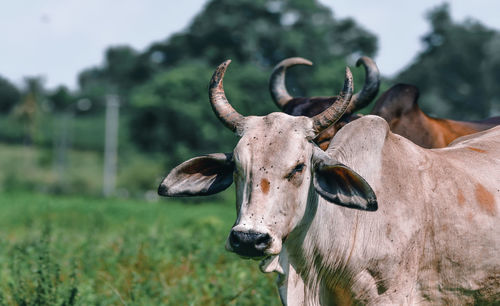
(326, 249)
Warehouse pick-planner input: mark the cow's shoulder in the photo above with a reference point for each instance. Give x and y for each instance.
(359, 145)
(364, 134)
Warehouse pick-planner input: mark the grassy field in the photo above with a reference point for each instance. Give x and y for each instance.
(86, 251)
(82, 173)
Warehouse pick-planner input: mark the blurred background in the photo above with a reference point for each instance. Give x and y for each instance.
(63, 64)
(102, 98)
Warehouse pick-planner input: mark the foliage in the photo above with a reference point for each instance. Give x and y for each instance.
(61, 99)
(9, 95)
(264, 32)
(457, 68)
(35, 169)
(171, 113)
(46, 287)
(79, 172)
(11, 130)
(27, 112)
(112, 252)
(175, 115)
(122, 69)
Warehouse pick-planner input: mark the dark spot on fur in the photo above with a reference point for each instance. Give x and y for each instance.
(264, 185)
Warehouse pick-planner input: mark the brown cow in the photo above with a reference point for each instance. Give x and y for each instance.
(311, 106)
(398, 106)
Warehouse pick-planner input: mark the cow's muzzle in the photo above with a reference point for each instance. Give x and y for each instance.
(249, 244)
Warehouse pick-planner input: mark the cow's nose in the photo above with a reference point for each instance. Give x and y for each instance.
(250, 244)
(162, 190)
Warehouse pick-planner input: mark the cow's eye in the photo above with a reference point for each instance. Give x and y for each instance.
(299, 168)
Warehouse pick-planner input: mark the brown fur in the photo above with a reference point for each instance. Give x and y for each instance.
(460, 198)
(485, 200)
(476, 150)
(264, 185)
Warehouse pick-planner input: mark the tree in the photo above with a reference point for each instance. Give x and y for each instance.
(259, 32)
(28, 110)
(60, 98)
(122, 70)
(170, 113)
(456, 69)
(9, 95)
(264, 32)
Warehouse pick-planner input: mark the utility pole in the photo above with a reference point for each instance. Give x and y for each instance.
(110, 145)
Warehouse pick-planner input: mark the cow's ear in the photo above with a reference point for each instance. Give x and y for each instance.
(341, 185)
(203, 175)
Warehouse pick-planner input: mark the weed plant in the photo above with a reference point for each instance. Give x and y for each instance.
(85, 251)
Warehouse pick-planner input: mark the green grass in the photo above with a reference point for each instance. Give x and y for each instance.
(31, 168)
(86, 251)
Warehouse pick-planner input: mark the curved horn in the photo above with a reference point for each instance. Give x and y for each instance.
(370, 88)
(277, 85)
(220, 105)
(333, 113)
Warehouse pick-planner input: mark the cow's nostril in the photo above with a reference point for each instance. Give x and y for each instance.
(249, 244)
(262, 241)
(162, 190)
(234, 240)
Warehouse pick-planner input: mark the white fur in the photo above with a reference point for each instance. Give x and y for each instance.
(420, 247)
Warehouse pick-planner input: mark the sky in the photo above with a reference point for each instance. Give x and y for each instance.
(57, 39)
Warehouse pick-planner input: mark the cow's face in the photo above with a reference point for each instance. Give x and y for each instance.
(272, 163)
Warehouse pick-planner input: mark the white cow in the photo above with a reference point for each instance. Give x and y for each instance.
(409, 225)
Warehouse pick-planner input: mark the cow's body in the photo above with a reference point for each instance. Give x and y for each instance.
(375, 219)
(435, 238)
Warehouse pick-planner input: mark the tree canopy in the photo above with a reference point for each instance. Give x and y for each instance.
(264, 32)
(457, 69)
(173, 104)
(9, 95)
